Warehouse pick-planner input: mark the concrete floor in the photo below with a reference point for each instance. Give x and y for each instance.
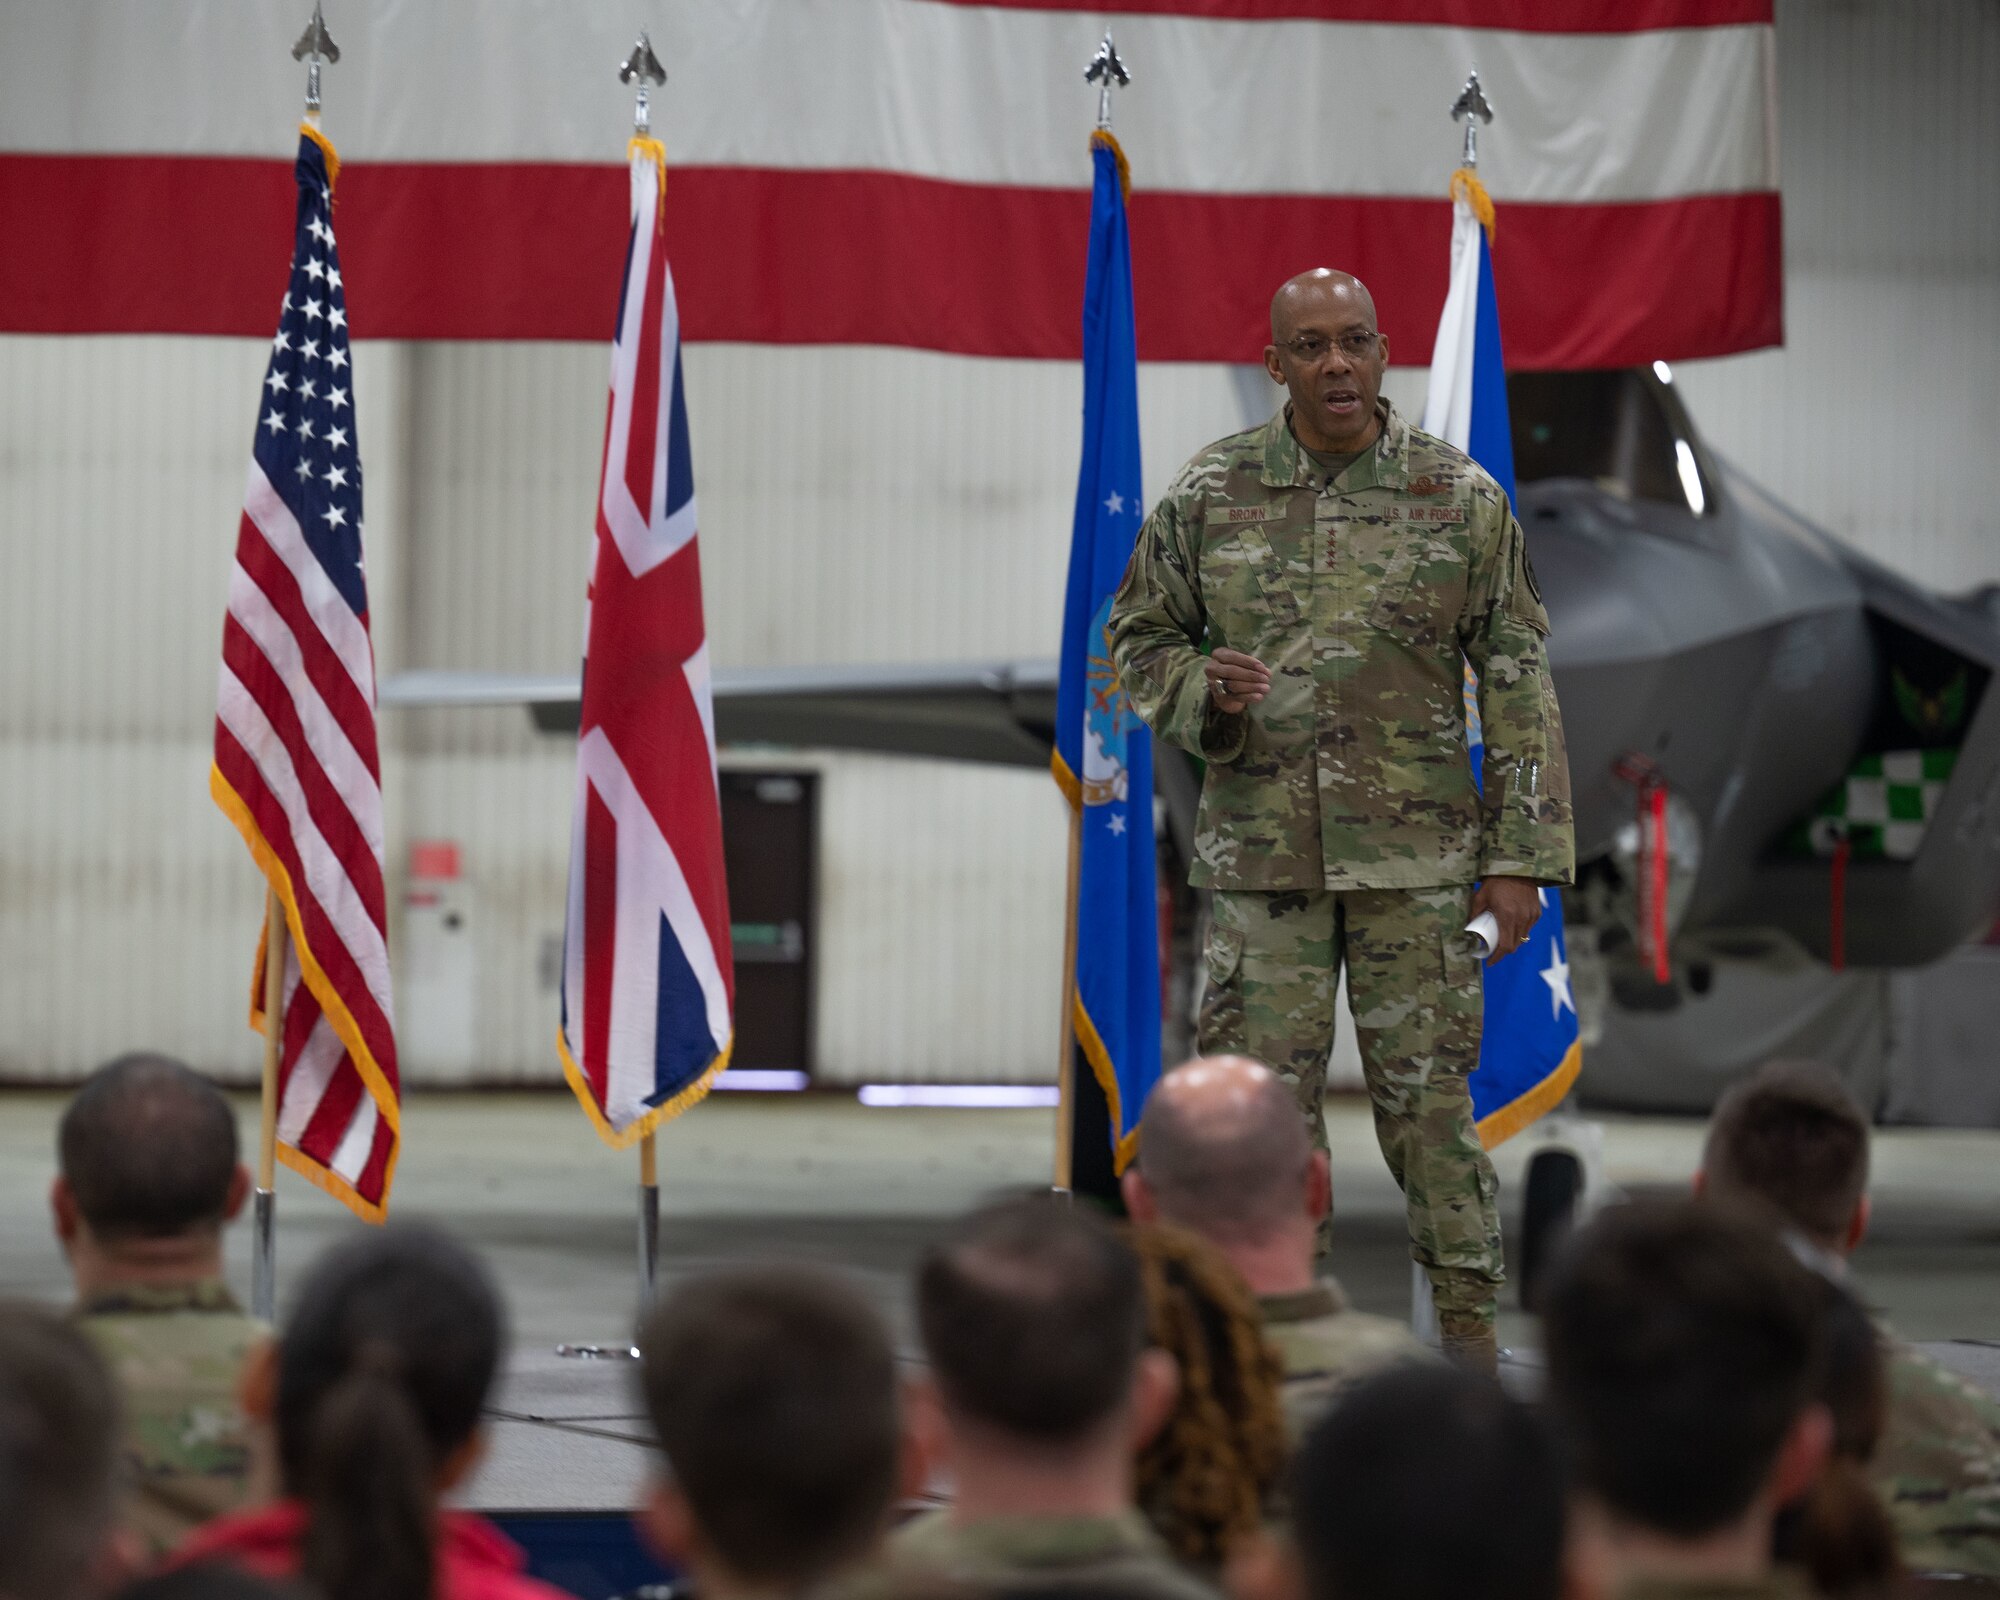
(821, 1178)
(757, 1176)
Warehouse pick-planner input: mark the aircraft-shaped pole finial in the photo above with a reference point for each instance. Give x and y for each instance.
(1472, 108)
(643, 69)
(315, 45)
(1106, 71)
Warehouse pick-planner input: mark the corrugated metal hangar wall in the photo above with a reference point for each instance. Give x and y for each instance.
(857, 505)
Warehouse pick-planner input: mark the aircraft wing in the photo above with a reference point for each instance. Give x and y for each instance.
(993, 711)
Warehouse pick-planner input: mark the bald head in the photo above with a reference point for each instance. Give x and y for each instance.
(1324, 294)
(1223, 1148)
(1329, 354)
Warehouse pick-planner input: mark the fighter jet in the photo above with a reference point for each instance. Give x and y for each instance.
(1817, 727)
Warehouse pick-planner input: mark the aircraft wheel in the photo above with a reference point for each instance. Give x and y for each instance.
(1554, 1191)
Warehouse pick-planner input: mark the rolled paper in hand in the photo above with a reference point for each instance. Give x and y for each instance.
(1486, 929)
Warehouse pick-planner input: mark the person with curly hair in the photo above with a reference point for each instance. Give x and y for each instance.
(1206, 1478)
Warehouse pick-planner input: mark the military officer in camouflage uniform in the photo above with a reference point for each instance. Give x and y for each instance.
(1299, 613)
(149, 1179)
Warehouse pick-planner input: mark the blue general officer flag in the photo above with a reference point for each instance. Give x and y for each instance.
(1529, 1054)
(1104, 754)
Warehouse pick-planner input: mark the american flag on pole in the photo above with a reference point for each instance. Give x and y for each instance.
(295, 755)
(648, 980)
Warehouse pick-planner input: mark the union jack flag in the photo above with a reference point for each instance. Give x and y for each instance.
(296, 767)
(648, 982)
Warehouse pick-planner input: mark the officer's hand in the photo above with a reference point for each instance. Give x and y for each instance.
(1236, 681)
(1515, 904)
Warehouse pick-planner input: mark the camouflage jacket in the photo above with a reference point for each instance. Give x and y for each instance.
(1938, 1465)
(1326, 1346)
(177, 1353)
(1365, 595)
(1120, 1557)
(1780, 1583)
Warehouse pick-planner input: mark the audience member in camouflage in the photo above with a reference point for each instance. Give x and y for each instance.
(1299, 612)
(149, 1178)
(1224, 1154)
(1116, 1554)
(1794, 1141)
(1327, 1348)
(1033, 1315)
(1938, 1466)
(177, 1353)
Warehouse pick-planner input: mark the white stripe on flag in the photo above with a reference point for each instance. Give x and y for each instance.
(325, 735)
(326, 880)
(350, 1156)
(325, 604)
(310, 1075)
(1584, 116)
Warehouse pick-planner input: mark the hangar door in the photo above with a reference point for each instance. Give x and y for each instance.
(770, 826)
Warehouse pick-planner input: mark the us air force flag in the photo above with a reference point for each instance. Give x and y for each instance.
(1529, 1054)
(1104, 754)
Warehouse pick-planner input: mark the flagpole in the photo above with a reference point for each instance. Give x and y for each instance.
(1066, 1061)
(649, 1220)
(264, 1219)
(1108, 72)
(641, 69)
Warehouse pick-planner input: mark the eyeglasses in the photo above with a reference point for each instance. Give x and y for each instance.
(1357, 344)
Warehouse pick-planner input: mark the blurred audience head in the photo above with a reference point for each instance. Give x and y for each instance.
(1223, 1153)
(1033, 1316)
(1839, 1532)
(1686, 1348)
(774, 1395)
(1427, 1482)
(379, 1377)
(58, 1460)
(148, 1171)
(1205, 1477)
(1794, 1140)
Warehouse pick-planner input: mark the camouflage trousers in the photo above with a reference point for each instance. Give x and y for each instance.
(1413, 985)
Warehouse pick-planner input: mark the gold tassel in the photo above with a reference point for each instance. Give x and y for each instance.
(1104, 138)
(1465, 185)
(311, 131)
(656, 153)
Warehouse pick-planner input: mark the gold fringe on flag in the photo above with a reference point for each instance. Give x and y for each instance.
(311, 131)
(656, 153)
(1105, 139)
(1465, 185)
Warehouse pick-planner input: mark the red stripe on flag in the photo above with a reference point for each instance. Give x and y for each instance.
(301, 1012)
(330, 1119)
(186, 244)
(374, 1177)
(241, 774)
(1525, 16)
(600, 938)
(336, 824)
(323, 665)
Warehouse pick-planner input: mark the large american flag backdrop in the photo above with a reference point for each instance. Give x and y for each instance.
(904, 171)
(648, 976)
(296, 766)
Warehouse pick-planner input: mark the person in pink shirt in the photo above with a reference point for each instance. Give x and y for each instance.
(374, 1393)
